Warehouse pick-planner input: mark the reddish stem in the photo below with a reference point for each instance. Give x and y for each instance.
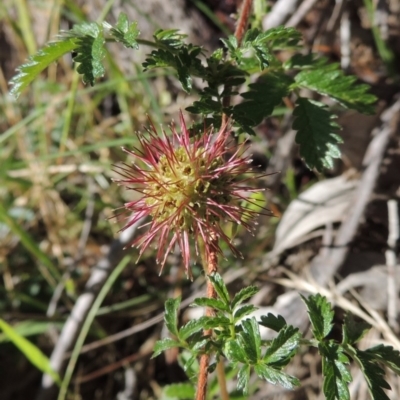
(241, 27)
(212, 267)
(243, 20)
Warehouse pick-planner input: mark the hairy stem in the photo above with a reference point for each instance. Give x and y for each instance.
(241, 27)
(243, 20)
(210, 267)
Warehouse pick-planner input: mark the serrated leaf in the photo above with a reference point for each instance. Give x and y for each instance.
(164, 344)
(90, 51)
(220, 287)
(336, 375)
(170, 37)
(212, 303)
(194, 326)
(243, 295)
(171, 315)
(279, 37)
(283, 347)
(218, 321)
(126, 32)
(243, 379)
(250, 339)
(305, 61)
(332, 82)
(321, 315)
(30, 351)
(188, 362)
(243, 311)
(38, 62)
(315, 134)
(184, 60)
(386, 355)
(183, 391)
(353, 330)
(260, 100)
(174, 53)
(373, 374)
(230, 43)
(273, 322)
(276, 377)
(190, 328)
(205, 106)
(234, 351)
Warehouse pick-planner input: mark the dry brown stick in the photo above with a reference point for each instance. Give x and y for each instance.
(301, 12)
(391, 261)
(323, 269)
(327, 264)
(279, 13)
(81, 309)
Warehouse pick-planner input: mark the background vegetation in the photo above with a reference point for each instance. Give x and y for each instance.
(58, 144)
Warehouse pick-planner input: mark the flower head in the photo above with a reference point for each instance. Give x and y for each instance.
(189, 187)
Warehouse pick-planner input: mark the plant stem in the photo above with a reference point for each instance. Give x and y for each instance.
(241, 27)
(222, 380)
(243, 21)
(210, 267)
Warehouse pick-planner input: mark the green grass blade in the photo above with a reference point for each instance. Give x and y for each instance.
(31, 352)
(87, 324)
(46, 266)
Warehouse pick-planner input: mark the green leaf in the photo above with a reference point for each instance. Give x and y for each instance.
(31, 327)
(276, 38)
(126, 32)
(386, 355)
(336, 375)
(331, 81)
(321, 315)
(243, 295)
(218, 321)
(315, 134)
(353, 330)
(243, 379)
(171, 315)
(373, 374)
(234, 351)
(174, 53)
(212, 303)
(276, 377)
(257, 47)
(244, 310)
(250, 339)
(164, 344)
(283, 347)
(220, 287)
(205, 106)
(31, 352)
(90, 50)
(38, 62)
(184, 391)
(305, 61)
(194, 326)
(170, 37)
(260, 100)
(273, 322)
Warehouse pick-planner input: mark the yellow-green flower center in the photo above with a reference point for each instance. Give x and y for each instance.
(181, 185)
